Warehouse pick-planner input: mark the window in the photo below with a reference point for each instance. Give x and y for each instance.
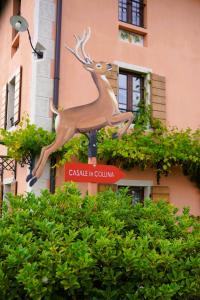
(10, 104)
(132, 11)
(137, 193)
(11, 101)
(131, 91)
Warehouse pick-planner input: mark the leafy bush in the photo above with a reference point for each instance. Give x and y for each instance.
(25, 140)
(160, 149)
(65, 247)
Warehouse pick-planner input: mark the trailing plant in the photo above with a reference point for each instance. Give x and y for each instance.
(143, 118)
(62, 246)
(26, 139)
(160, 148)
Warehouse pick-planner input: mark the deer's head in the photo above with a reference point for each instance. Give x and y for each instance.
(98, 67)
(80, 53)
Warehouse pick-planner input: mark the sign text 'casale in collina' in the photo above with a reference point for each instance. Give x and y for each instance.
(89, 173)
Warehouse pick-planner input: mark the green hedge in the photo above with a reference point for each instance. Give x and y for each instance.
(65, 247)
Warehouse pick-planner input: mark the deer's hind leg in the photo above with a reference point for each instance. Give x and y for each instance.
(121, 118)
(61, 139)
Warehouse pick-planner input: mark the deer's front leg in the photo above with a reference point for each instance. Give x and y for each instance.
(32, 173)
(120, 118)
(61, 138)
(41, 157)
(37, 171)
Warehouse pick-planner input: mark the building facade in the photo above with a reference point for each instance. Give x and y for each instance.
(154, 49)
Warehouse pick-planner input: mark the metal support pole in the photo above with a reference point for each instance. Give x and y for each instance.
(92, 148)
(92, 159)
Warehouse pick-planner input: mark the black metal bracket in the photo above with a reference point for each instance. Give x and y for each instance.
(37, 52)
(92, 142)
(92, 147)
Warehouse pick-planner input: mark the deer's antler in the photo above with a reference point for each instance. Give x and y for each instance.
(80, 46)
(86, 37)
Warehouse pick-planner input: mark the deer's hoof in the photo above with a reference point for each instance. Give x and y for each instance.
(115, 136)
(29, 177)
(33, 181)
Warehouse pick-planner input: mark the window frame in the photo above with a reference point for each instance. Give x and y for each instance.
(145, 184)
(4, 102)
(147, 72)
(10, 105)
(129, 12)
(15, 100)
(129, 91)
(132, 189)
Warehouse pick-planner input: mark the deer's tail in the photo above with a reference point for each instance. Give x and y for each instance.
(53, 109)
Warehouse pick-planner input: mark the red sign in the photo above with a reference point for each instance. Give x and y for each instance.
(89, 173)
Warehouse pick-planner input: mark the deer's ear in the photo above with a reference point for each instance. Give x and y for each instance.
(88, 68)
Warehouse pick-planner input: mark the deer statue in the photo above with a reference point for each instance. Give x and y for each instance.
(102, 112)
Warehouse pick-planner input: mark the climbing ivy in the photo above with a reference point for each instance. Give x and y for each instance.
(27, 139)
(158, 148)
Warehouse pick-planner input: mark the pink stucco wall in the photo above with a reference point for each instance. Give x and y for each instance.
(183, 193)
(9, 64)
(171, 50)
(22, 56)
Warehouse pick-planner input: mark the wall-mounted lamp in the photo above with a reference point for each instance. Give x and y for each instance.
(20, 24)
